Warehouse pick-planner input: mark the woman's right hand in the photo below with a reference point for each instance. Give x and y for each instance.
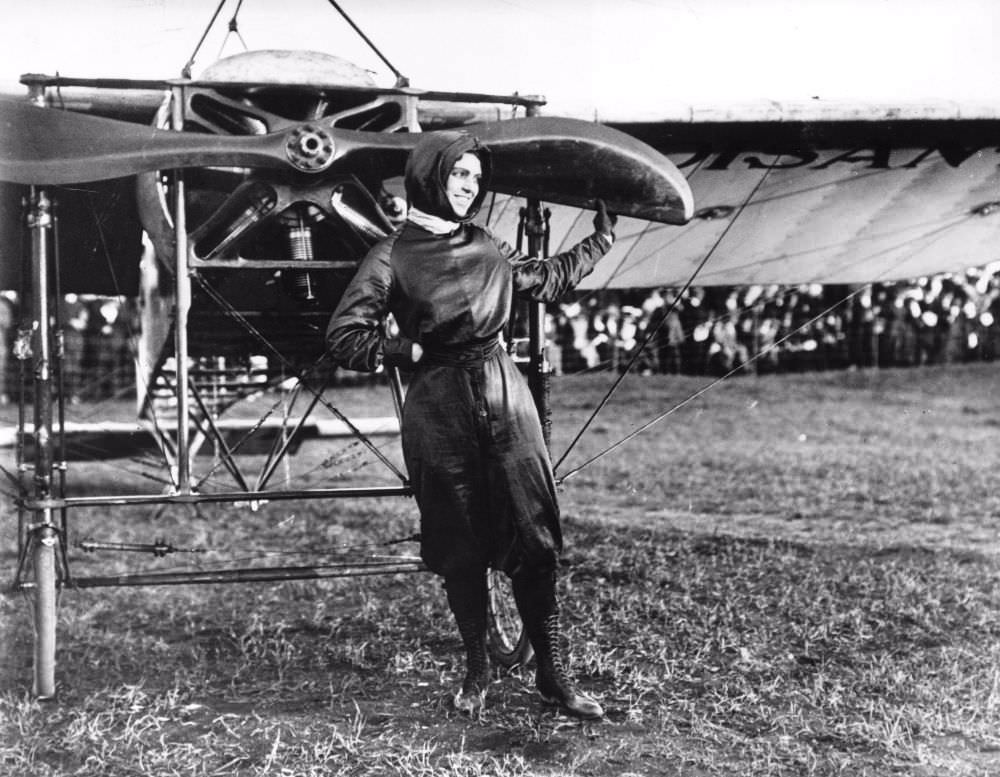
(416, 352)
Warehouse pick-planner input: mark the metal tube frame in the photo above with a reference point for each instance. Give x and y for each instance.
(40, 539)
(41, 542)
(536, 228)
(42, 535)
(182, 302)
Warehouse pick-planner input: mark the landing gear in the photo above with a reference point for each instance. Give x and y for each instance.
(506, 638)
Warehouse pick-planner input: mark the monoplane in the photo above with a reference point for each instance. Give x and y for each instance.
(236, 205)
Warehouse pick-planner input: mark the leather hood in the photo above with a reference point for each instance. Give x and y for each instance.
(429, 165)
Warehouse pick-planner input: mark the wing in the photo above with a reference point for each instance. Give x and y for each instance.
(820, 194)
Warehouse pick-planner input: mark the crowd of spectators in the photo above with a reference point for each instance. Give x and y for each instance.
(97, 346)
(757, 329)
(700, 330)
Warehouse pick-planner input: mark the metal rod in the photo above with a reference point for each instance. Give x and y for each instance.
(182, 282)
(222, 447)
(247, 575)
(536, 228)
(60, 384)
(527, 101)
(270, 264)
(45, 540)
(225, 496)
(398, 395)
(23, 327)
(538, 368)
(272, 462)
(42, 535)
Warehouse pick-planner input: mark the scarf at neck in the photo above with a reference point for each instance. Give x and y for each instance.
(433, 224)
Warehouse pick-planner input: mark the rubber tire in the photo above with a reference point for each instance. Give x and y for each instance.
(506, 639)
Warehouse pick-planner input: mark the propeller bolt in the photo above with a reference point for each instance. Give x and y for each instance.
(310, 148)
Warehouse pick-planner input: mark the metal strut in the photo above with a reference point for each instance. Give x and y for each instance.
(535, 223)
(43, 536)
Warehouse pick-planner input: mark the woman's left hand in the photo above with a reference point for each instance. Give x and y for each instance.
(604, 222)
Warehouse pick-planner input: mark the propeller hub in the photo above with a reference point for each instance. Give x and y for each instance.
(309, 148)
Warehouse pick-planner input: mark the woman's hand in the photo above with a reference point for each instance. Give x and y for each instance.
(604, 222)
(401, 352)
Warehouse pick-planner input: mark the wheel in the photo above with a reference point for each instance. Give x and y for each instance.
(507, 640)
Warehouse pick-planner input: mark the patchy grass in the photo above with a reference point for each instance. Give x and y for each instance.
(791, 575)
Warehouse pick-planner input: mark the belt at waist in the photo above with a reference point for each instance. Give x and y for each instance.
(464, 355)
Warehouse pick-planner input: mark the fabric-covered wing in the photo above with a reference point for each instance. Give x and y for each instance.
(808, 202)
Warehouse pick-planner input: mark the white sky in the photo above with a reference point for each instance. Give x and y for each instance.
(612, 56)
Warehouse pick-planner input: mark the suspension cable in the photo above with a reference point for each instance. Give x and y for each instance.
(653, 331)
(234, 29)
(186, 70)
(401, 80)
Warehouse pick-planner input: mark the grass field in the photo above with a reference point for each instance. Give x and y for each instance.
(790, 575)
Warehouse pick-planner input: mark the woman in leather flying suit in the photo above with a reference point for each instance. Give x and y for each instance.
(471, 436)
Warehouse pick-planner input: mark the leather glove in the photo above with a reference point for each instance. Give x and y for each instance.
(401, 352)
(604, 222)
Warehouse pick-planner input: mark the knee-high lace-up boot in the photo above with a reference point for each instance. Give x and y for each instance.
(467, 600)
(536, 601)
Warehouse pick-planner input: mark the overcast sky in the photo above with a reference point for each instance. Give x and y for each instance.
(610, 56)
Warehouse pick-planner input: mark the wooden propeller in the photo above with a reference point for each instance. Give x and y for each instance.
(564, 161)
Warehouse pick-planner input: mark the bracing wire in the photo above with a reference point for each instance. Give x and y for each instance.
(401, 80)
(247, 555)
(132, 336)
(704, 389)
(651, 333)
(235, 314)
(186, 70)
(929, 237)
(234, 29)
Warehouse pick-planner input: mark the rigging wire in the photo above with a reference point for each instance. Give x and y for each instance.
(930, 237)
(242, 320)
(234, 29)
(132, 336)
(339, 554)
(687, 400)
(401, 80)
(942, 225)
(673, 305)
(186, 70)
(645, 228)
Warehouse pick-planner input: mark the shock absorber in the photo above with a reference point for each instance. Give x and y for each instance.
(298, 224)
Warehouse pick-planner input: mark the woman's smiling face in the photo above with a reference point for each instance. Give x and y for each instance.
(462, 185)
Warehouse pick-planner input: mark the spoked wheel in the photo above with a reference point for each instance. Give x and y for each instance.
(508, 642)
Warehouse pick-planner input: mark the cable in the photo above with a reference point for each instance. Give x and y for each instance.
(186, 70)
(704, 389)
(401, 80)
(930, 236)
(652, 332)
(229, 310)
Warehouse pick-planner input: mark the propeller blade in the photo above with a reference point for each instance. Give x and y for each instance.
(574, 162)
(564, 161)
(49, 146)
